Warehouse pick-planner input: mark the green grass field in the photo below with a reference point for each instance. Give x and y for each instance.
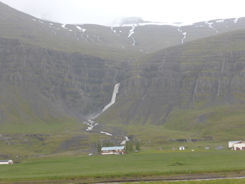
(228, 181)
(145, 164)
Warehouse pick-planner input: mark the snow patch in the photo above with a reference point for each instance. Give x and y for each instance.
(106, 133)
(236, 20)
(210, 25)
(81, 29)
(131, 32)
(220, 21)
(184, 34)
(113, 30)
(153, 24)
(184, 37)
(91, 124)
(63, 26)
(199, 26)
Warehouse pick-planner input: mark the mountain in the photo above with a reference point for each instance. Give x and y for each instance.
(125, 42)
(196, 89)
(56, 79)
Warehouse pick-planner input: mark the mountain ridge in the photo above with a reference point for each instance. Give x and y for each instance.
(124, 43)
(175, 82)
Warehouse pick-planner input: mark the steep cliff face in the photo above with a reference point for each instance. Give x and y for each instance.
(65, 83)
(198, 76)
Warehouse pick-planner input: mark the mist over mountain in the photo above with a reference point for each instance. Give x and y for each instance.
(129, 20)
(54, 76)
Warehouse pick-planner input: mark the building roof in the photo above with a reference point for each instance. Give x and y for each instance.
(112, 148)
(232, 142)
(241, 142)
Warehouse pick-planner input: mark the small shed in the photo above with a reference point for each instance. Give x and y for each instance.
(6, 162)
(181, 148)
(115, 150)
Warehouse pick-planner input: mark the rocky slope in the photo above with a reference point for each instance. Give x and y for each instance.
(197, 86)
(69, 82)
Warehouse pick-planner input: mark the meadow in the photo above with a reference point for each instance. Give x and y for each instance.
(135, 165)
(226, 181)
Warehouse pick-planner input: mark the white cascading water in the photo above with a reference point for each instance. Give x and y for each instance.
(91, 123)
(113, 98)
(126, 139)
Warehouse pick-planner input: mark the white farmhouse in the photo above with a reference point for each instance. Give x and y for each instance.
(231, 144)
(115, 150)
(181, 148)
(239, 146)
(6, 162)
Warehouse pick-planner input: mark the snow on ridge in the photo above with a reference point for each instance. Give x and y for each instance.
(131, 32)
(220, 21)
(199, 25)
(236, 20)
(113, 30)
(210, 25)
(81, 29)
(63, 26)
(184, 34)
(184, 37)
(153, 24)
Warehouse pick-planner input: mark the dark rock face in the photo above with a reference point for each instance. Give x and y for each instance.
(205, 73)
(66, 82)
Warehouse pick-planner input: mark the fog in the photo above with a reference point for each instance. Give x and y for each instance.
(107, 11)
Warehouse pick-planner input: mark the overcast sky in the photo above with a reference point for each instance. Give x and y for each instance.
(106, 11)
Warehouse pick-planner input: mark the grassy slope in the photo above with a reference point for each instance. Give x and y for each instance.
(226, 181)
(132, 165)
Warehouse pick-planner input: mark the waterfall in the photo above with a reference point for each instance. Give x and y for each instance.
(113, 98)
(90, 122)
